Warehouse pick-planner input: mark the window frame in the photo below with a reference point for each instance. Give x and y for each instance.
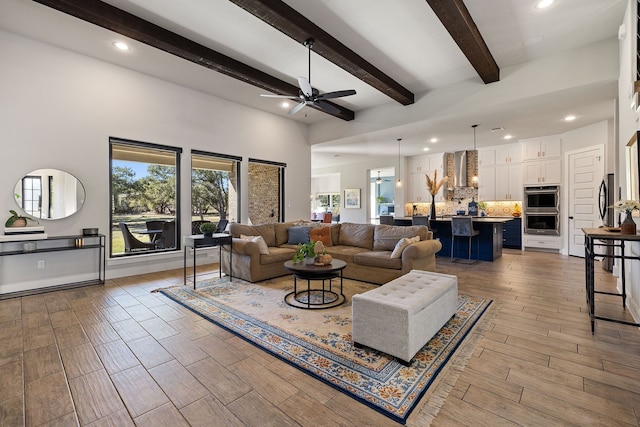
(177, 153)
(224, 157)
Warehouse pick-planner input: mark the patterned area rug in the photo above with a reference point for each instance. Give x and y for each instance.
(319, 341)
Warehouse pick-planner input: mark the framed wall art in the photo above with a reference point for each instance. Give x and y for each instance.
(352, 198)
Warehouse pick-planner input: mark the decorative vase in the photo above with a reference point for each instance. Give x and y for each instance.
(432, 213)
(20, 222)
(628, 226)
(309, 260)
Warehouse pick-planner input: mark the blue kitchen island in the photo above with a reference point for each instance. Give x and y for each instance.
(490, 238)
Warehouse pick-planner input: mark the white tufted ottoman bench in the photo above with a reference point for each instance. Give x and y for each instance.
(400, 317)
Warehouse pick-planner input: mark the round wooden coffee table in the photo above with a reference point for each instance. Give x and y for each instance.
(315, 298)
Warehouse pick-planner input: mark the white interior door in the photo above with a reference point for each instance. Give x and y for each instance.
(586, 169)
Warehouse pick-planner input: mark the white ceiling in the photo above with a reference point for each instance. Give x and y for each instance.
(403, 39)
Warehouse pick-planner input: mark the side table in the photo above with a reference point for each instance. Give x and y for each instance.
(201, 241)
(605, 239)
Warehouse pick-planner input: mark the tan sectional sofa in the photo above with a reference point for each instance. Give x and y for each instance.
(366, 248)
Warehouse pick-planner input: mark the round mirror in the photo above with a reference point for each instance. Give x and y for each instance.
(49, 194)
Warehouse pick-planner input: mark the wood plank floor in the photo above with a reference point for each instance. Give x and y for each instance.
(118, 355)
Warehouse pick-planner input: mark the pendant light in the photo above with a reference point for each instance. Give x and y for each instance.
(474, 178)
(399, 182)
(378, 179)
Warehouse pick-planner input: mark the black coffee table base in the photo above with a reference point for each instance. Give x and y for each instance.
(315, 299)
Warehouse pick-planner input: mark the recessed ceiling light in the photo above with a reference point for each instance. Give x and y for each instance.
(570, 118)
(121, 46)
(543, 4)
(508, 136)
(284, 104)
(498, 129)
(433, 140)
(425, 149)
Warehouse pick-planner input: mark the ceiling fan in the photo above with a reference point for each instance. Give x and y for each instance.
(310, 96)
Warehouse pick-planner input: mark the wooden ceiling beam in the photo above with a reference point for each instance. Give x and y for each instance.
(290, 22)
(455, 17)
(128, 25)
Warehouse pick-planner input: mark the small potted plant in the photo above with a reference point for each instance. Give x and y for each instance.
(16, 220)
(208, 228)
(483, 208)
(306, 252)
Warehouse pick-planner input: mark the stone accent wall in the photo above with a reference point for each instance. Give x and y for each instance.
(264, 193)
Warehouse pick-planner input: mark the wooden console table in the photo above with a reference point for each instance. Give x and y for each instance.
(598, 237)
(30, 244)
(201, 241)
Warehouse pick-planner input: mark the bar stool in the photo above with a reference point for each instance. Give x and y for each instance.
(462, 226)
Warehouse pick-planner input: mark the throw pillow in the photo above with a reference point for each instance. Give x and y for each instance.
(402, 244)
(321, 234)
(298, 234)
(258, 240)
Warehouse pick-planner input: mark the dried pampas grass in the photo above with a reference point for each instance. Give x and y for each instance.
(433, 185)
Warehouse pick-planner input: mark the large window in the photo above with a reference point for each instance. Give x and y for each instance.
(145, 182)
(214, 189)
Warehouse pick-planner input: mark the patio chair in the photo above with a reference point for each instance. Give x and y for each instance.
(222, 225)
(131, 243)
(195, 226)
(152, 226)
(167, 239)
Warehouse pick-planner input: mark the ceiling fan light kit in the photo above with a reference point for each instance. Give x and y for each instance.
(309, 96)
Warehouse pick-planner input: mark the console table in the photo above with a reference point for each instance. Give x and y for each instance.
(201, 241)
(599, 237)
(30, 244)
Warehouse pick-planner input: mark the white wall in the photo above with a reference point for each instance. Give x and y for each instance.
(628, 126)
(357, 175)
(58, 110)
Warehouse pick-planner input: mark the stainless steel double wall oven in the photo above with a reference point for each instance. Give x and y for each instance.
(542, 210)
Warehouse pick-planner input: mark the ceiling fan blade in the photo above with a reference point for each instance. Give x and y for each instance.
(305, 87)
(279, 96)
(336, 94)
(297, 108)
(325, 106)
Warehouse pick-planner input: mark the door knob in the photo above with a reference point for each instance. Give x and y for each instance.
(570, 217)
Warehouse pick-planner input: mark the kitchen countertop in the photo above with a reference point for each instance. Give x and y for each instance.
(489, 219)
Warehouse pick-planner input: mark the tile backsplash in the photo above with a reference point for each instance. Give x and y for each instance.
(499, 208)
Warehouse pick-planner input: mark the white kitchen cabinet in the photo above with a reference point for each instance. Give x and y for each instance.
(541, 242)
(510, 153)
(417, 191)
(486, 183)
(537, 149)
(486, 157)
(418, 164)
(508, 181)
(542, 172)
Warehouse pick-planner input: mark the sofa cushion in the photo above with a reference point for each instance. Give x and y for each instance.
(378, 259)
(345, 253)
(265, 230)
(258, 240)
(402, 244)
(385, 237)
(358, 235)
(321, 234)
(279, 254)
(298, 234)
(281, 231)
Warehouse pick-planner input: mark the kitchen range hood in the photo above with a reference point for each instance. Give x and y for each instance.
(461, 165)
